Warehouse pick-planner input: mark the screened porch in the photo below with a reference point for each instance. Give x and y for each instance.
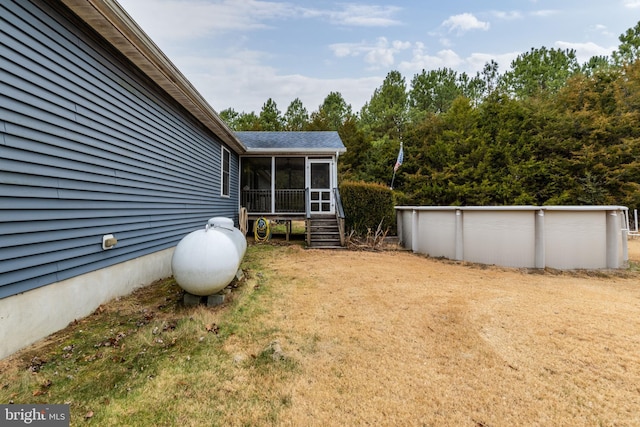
(287, 185)
(273, 185)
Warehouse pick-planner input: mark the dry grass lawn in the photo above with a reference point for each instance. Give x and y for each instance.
(363, 338)
(397, 339)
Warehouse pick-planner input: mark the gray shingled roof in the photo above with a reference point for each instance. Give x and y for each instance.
(312, 141)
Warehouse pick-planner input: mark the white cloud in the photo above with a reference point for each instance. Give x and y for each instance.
(464, 22)
(359, 15)
(544, 12)
(507, 16)
(254, 83)
(422, 60)
(342, 50)
(445, 42)
(380, 58)
(173, 24)
(179, 20)
(476, 61)
(233, 76)
(378, 55)
(398, 45)
(448, 58)
(602, 29)
(584, 51)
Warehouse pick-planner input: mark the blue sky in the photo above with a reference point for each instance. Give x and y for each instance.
(239, 53)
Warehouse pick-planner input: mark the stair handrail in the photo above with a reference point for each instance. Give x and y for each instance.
(339, 214)
(307, 204)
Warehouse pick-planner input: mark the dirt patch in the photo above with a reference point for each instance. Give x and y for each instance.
(398, 339)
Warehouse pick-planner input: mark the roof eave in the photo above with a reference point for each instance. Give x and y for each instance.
(113, 23)
(296, 151)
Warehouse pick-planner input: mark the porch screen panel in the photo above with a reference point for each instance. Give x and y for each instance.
(320, 176)
(256, 184)
(289, 185)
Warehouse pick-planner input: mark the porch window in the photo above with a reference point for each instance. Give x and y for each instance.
(290, 182)
(256, 184)
(273, 184)
(226, 169)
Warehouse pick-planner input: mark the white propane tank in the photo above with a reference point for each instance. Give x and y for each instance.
(237, 236)
(206, 260)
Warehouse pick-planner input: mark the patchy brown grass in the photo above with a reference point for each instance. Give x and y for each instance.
(353, 338)
(397, 339)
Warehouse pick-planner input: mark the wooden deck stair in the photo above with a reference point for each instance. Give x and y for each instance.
(323, 232)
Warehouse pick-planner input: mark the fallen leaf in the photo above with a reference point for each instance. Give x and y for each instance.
(36, 364)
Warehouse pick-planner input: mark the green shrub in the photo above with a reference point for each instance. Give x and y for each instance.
(366, 205)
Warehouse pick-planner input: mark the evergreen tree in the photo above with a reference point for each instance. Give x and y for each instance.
(628, 51)
(540, 71)
(296, 117)
(230, 117)
(319, 121)
(433, 91)
(352, 163)
(472, 88)
(490, 78)
(336, 110)
(596, 64)
(386, 112)
(248, 122)
(270, 116)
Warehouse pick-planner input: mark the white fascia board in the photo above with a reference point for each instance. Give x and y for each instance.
(302, 152)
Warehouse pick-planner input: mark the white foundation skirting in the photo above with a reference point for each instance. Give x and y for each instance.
(30, 316)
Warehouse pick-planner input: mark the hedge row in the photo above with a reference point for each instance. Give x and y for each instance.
(366, 205)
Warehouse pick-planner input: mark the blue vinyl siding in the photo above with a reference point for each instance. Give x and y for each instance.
(89, 147)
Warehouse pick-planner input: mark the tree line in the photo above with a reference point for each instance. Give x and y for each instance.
(548, 130)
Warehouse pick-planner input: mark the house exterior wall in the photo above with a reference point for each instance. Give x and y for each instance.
(88, 147)
(560, 237)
